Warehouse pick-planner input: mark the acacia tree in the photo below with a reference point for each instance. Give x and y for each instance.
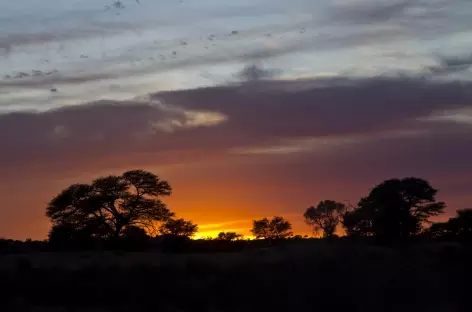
(277, 228)
(396, 208)
(325, 217)
(229, 236)
(178, 227)
(110, 204)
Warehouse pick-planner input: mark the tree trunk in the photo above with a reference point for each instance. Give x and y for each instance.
(117, 231)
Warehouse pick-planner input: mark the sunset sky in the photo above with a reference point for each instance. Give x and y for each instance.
(249, 108)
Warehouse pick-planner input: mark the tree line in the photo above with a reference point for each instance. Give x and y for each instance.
(395, 210)
(127, 211)
(129, 207)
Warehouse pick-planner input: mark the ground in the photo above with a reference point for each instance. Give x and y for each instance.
(301, 276)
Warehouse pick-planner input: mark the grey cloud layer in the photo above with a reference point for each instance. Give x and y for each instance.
(449, 65)
(406, 11)
(355, 24)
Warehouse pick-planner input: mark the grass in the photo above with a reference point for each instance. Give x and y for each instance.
(300, 276)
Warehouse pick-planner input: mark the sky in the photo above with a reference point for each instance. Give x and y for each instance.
(250, 108)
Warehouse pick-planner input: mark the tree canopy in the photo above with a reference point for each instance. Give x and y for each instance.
(178, 227)
(111, 204)
(229, 236)
(396, 208)
(325, 217)
(277, 228)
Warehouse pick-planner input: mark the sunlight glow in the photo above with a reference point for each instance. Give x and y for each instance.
(214, 234)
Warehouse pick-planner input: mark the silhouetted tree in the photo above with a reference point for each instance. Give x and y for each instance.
(458, 228)
(110, 204)
(277, 228)
(394, 209)
(325, 217)
(229, 236)
(178, 227)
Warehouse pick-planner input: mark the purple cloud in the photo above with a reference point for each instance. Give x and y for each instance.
(219, 119)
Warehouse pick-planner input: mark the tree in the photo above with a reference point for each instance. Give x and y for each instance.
(229, 236)
(394, 209)
(178, 227)
(325, 217)
(111, 204)
(277, 228)
(456, 228)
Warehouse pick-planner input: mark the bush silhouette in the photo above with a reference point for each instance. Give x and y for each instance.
(229, 236)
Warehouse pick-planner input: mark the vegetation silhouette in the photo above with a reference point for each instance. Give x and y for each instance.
(325, 217)
(116, 212)
(176, 234)
(107, 206)
(377, 278)
(458, 228)
(275, 229)
(229, 236)
(67, 236)
(134, 238)
(394, 210)
(178, 227)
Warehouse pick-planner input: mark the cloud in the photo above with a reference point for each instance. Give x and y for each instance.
(254, 72)
(373, 25)
(96, 130)
(386, 11)
(323, 107)
(451, 65)
(320, 144)
(371, 11)
(52, 78)
(416, 19)
(457, 116)
(88, 29)
(253, 116)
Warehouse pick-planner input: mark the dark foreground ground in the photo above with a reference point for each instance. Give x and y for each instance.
(299, 277)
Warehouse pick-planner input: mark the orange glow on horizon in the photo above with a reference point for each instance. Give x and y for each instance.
(214, 234)
(217, 195)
